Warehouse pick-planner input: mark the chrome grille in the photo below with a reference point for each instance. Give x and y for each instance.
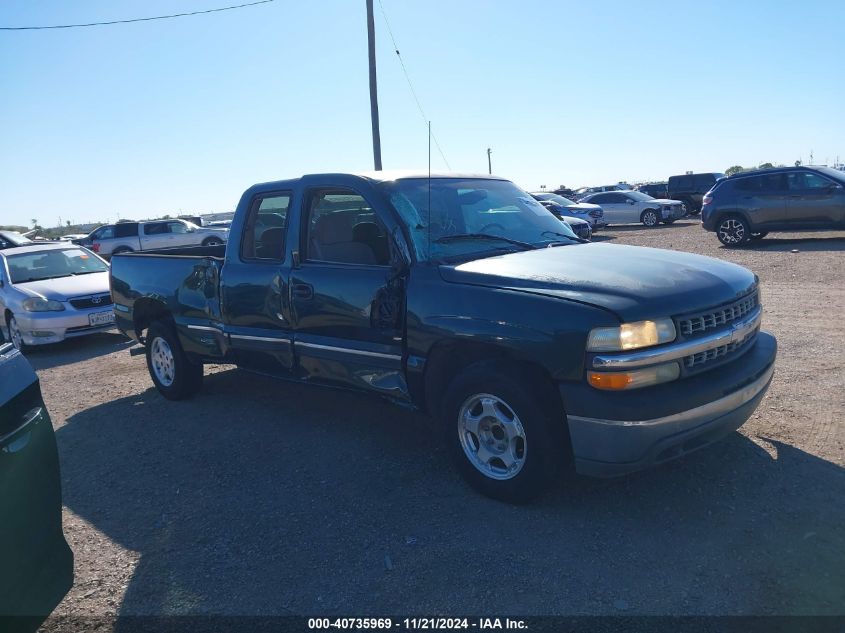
(712, 319)
(717, 352)
(94, 301)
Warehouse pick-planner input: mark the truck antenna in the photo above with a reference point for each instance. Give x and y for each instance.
(428, 221)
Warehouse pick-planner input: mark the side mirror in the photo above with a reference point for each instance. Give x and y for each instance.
(630, 201)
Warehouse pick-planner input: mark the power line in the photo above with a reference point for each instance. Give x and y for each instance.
(410, 85)
(157, 17)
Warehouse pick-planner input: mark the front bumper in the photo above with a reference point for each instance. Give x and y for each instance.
(41, 328)
(672, 213)
(618, 433)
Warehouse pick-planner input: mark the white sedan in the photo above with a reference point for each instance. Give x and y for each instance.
(53, 291)
(631, 207)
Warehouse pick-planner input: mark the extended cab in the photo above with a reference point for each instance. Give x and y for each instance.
(130, 237)
(463, 297)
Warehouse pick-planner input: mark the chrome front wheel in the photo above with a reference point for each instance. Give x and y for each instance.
(164, 365)
(15, 333)
(492, 436)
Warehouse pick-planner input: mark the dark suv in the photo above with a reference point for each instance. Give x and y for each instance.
(690, 189)
(655, 190)
(748, 205)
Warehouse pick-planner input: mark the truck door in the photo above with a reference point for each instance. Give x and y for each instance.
(348, 303)
(255, 292)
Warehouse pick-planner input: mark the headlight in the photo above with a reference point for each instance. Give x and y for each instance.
(37, 304)
(631, 336)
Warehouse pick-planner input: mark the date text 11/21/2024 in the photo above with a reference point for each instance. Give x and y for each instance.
(418, 623)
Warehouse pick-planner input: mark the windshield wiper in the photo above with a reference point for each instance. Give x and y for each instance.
(569, 237)
(482, 236)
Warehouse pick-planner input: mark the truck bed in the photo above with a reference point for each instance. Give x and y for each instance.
(182, 282)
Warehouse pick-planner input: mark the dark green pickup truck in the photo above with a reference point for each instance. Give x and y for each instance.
(463, 297)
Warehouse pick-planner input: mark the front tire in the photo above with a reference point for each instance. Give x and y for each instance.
(173, 373)
(733, 231)
(649, 218)
(15, 334)
(499, 436)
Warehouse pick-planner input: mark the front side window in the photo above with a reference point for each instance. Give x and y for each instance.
(343, 228)
(52, 264)
(266, 228)
(104, 233)
(803, 180)
(177, 227)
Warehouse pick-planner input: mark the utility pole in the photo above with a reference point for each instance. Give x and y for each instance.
(371, 43)
(489, 162)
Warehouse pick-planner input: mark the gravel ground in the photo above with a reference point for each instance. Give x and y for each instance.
(262, 497)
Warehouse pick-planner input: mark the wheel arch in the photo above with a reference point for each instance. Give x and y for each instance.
(146, 310)
(448, 359)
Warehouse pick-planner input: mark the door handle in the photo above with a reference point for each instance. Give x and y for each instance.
(303, 291)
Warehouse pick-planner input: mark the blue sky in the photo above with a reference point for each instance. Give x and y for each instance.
(184, 114)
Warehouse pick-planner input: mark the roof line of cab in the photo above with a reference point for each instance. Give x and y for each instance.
(370, 176)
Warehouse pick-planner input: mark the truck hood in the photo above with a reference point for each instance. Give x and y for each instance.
(633, 282)
(64, 288)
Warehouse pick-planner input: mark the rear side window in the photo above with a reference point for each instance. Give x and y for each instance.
(266, 228)
(155, 228)
(704, 181)
(600, 199)
(770, 183)
(127, 229)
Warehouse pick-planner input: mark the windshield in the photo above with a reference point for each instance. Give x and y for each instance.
(564, 202)
(474, 207)
(638, 195)
(52, 264)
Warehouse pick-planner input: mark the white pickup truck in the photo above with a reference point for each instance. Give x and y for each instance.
(130, 237)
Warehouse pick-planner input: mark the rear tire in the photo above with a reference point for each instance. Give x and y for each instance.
(649, 218)
(212, 241)
(733, 231)
(500, 438)
(121, 249)
(175, 376)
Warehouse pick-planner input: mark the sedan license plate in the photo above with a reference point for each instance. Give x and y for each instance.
(101, 318)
